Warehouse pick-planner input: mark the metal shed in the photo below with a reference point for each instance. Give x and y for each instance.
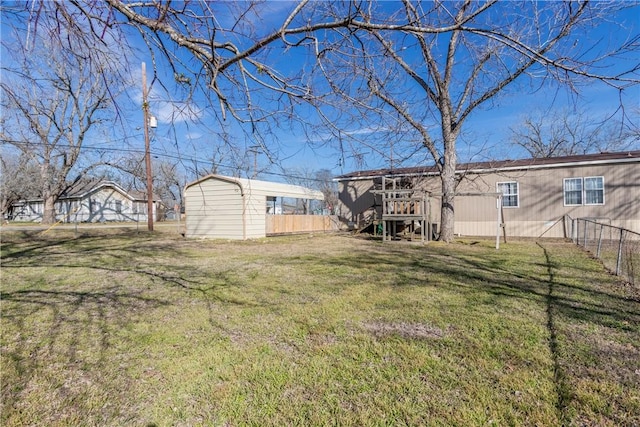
(225, 207)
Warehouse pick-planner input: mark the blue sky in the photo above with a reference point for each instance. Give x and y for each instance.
(195, 133)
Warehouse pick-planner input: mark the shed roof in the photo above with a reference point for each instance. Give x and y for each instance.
(502, 165)
(265, 188)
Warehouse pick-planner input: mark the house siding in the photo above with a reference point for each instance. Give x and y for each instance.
(356, 202)
(105, 203)
(99, 206)
(541, 210)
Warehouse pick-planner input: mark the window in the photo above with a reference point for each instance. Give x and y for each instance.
(509, 192)
(138, 207)
(594, 190)
(118, 206)
(584, 191)
(572, 191)
(94, 206)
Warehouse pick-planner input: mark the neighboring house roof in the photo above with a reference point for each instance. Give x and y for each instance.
(83, 188)
(265, 188)
(501, 165)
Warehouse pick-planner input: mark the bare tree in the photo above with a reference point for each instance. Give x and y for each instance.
(418, 69)
(324, 183)
(19, 180)
(568, 134)
(244, 57)
(320, 179)
(433, 82)
(51, 99)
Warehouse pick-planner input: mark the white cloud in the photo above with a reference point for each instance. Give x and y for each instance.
(167, 110)
(192, 136)
(175, 112)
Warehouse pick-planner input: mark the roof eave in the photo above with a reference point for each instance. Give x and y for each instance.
(533, 165)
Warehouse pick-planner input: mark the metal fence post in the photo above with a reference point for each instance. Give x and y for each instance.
(599, 241)
(619, 262)
(624, 263)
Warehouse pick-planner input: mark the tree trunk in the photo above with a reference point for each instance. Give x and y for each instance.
(49, 212)
(447, 212)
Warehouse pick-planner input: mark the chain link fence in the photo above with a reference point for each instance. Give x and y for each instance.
(618, 248)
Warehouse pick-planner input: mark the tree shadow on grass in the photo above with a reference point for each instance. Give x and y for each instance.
(575, 295)
(559, 280)
(70, 329)
(73, 315)
(54, 317)
(582, 297)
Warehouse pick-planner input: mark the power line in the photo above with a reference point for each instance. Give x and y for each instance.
(161, 155)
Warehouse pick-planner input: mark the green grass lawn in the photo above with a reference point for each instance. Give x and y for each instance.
(118, 328)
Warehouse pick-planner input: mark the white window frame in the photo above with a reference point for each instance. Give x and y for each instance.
(564, 191)
(504, 196)
(583, 191)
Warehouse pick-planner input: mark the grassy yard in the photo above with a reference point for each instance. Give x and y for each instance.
(118, 328)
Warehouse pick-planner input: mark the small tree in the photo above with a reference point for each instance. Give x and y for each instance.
(324, 183)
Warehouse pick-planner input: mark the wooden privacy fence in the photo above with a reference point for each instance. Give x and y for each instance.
(283, 224)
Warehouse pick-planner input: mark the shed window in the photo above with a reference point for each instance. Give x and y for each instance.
(584, 191)
(509, 190)
(118, 206)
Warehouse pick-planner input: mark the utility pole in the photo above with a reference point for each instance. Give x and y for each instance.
(254, 149)
(147, 153)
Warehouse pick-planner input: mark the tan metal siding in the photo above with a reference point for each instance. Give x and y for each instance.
(356, 201)
(214, 209)
(255, 213)
(541, 200)
(234, 208)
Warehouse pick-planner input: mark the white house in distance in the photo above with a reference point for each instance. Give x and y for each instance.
(89, 202)
(225, 207)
